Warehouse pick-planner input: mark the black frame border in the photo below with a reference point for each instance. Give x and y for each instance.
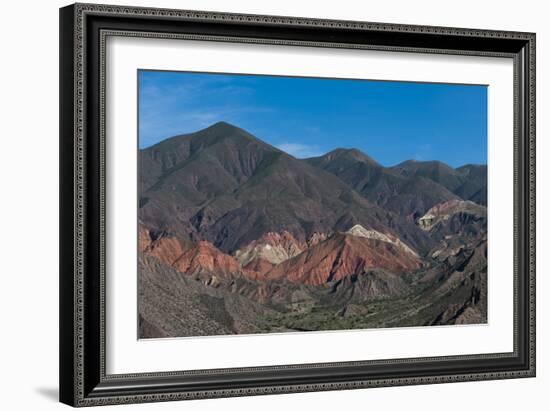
(83, 30)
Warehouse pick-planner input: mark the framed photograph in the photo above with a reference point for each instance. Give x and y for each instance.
(260, 204)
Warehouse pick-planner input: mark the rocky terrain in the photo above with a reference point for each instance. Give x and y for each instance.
(236, 236)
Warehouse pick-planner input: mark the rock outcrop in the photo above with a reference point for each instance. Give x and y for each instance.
(273, 248)
(200, 258)
(359, 231)
(444, 211)
(165, 247)
(342, 255)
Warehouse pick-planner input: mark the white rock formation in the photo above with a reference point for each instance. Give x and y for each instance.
(272, 247)
(360, 231)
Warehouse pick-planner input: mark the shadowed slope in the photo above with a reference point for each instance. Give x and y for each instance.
(405, 193)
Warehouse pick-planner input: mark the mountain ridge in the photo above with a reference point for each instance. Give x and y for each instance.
(233, 188)
(410, 187)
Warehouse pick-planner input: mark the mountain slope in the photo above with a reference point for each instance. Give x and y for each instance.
(225, 186)
(408, 195)
(436, 171)
(233, 152)
(343, 255)
(474, 187)
(179, 174)
(469, 182)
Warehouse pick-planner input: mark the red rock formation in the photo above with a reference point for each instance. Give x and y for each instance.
(259, 265)
(204, 257)
(340, 256)
(335, 258)
(165, 248)
(144, 239)
(188, 258)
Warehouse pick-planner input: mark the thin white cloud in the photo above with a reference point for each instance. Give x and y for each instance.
(299, 150)
(158, 123)
(169, 109)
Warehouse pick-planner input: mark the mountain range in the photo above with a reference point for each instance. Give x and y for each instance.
(330, 242)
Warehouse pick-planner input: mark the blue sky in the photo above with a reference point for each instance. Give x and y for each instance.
(389, 121)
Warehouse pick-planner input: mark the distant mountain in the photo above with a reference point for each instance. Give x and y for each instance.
(225, 186)
(436, 171)
(474, 187)
(409, 188)
(350, 165)
(469, 182)
(406, 194)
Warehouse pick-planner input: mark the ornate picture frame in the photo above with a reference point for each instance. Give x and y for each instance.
(84, 29)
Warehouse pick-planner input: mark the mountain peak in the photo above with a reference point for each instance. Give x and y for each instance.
(352, 154)
(221, 125)
(340, 156)
(232, 155)
(222, 130)
(467, 168)
(207, 136)
(421, 164)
